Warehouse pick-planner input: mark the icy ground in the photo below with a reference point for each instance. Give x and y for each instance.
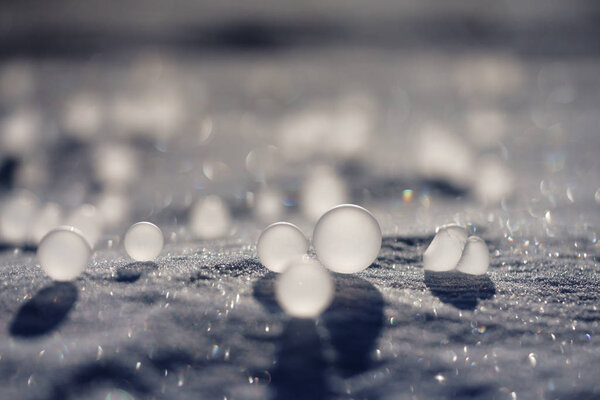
(202, 323)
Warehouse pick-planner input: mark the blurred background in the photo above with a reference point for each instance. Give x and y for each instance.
(197, 113)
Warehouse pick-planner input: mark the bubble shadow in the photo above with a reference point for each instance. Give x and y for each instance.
(130, 273)
(461, 290)
(45, 311)
(354, 322)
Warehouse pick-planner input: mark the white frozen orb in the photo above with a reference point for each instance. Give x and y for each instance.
(279, 244)
(347, 239)
(268, 205)
(305, 289)
(210, 218)
(116, 165)
(64, 253)
(48, 217)
(88, 221)
(322, 190)
(20, 131)
(144, 241)
(445, 249)
(17, 216)
(475, 259)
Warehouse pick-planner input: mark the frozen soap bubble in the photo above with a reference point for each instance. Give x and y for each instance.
(210, 218)
(143, 241)
(279, 244)
(268, 205)
(305, 289)
(475, 259)
(64, 253)
(347, 239)
(445, 249)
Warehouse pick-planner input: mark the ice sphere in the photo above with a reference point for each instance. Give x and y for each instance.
(445, 249)
(47, 218)
(17, 215)
(347, 239)
(322, 190)
(279, 244)
(116, 165)
(143, 241)
(63, 253)
(305, 289)
(475, 259)
(88, 221)
(210, 218)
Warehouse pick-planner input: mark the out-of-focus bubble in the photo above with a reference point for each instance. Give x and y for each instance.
(82, 116)
(279, 244)
(485, 127)
(320, 191)
(489, 75)
(116, 165)
(441, 155)
(263, 162)
(20, 131)
(268, 205)
(48, 217)
(353, 123)
(210, 218)
(303, 132)
(475, 259)
(88, 220)
(17, 215)
(215, 170)
(304, 289)
(493, 180)
(114, 206)
(445, 249)
(206, 130)
(17, 82)
(597, 196)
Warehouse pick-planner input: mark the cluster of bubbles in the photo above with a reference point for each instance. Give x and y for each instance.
(346, 239)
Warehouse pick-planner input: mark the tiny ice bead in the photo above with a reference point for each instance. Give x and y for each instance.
(445, 249)
(143, 241)
(475, 259)
(305, 289)
(64, 253)
(279, 244)
(347, 239)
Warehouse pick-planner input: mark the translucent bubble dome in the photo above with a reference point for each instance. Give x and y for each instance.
(64, 253)
(445, 249)
(305, 289)
(475, 259)
(347, 239)
(279, 244)
(143, 241)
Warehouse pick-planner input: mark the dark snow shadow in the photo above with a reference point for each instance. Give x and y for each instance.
(45, 311)
(130, 273)
(463, 291)
(354, 322)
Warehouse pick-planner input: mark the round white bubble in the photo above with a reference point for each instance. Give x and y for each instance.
(279, 244)
(347, 239)
(445, 249)
(144, 241)
(322, 190)
(268, 206)
(475, 259)
(64, 253)
(305, 289)
(210, 218)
